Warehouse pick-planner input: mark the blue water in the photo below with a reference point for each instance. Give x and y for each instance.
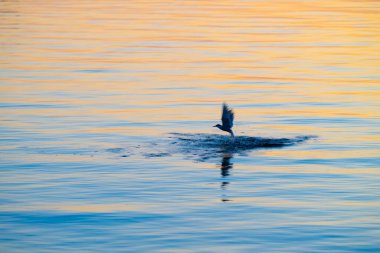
(107, 144)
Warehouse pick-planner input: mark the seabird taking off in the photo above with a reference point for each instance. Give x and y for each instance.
(227, 120)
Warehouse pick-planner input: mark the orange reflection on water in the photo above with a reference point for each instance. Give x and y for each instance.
(164, 62)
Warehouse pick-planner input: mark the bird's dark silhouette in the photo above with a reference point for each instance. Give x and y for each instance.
(225, 168)
(227, 120)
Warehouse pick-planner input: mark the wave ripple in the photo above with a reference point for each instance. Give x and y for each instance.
(202, 147)
(211, 145)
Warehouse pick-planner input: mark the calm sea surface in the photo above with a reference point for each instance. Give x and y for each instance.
(106, 115)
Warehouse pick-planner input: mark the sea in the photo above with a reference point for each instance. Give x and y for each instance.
(107, 111)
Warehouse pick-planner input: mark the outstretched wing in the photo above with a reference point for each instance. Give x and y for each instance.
(227, 117)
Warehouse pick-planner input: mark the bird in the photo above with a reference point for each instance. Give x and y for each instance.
(227, 120)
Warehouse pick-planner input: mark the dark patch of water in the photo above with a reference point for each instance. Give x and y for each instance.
(206, 146)
(202, 147)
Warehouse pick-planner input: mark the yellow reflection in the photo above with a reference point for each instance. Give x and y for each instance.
(293, 51)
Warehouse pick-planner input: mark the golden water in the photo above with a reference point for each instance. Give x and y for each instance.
(91, 90)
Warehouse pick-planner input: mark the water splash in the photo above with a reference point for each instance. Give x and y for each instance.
(206, 146)
(202, 147)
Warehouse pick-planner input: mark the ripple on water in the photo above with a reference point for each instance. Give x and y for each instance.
(208, 146)
(239, 143)
(202, 147)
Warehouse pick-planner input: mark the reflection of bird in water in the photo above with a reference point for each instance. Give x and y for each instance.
(225, 171)
(227, 120)
(226, 165)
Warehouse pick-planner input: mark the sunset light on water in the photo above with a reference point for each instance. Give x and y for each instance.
(107, 115)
